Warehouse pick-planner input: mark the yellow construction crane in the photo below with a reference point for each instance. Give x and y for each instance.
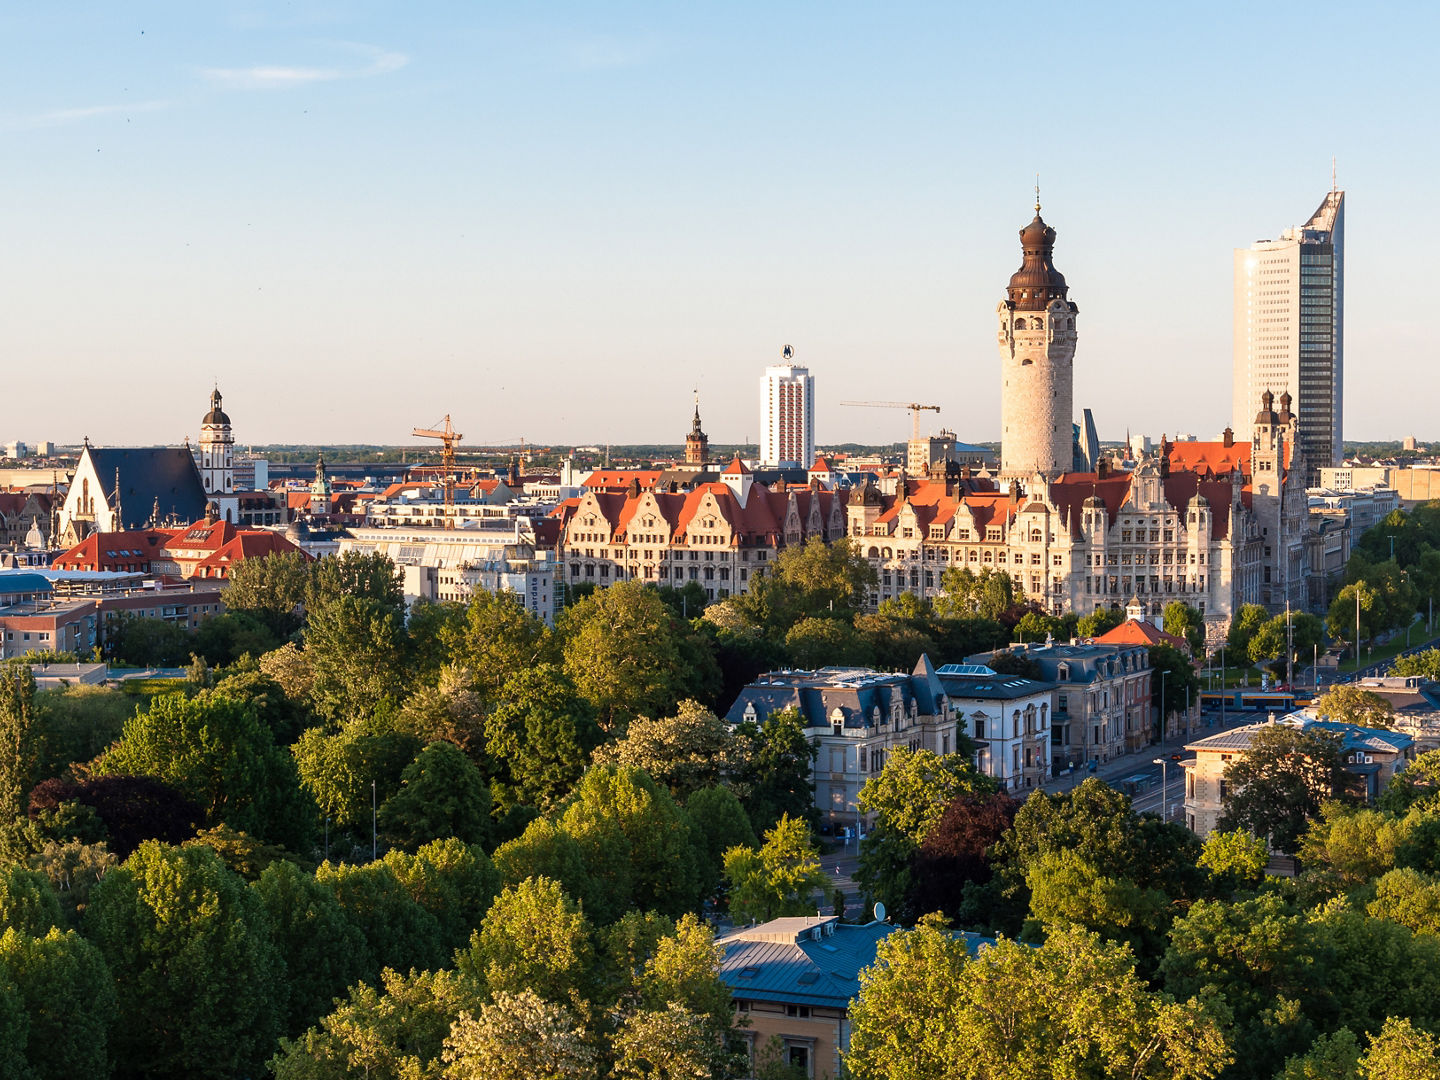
(914, 406)
(448, 437)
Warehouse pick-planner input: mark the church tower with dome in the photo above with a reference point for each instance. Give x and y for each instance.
(217, 459)
(1037, 351)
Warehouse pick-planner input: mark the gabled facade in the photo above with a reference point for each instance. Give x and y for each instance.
(721, 534)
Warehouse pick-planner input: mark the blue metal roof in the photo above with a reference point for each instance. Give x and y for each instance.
(23, 582)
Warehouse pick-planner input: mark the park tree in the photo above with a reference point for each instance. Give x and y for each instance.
(286, 717)
(356, 648)
(449, 709)
(684, 967)
(68, 997)
(131, 809)
(72, 869)
(215, 750)
(76, 723)
(818, 641)
(1014, 662)
(896, 644)
(1037, 626)
(546, 850)
(1186, 622)
(399, 933)
(1244, 625)
(538, 737)
(19, 752)
(519, 1037)
(28, 901)
(1073, 1007)
(810, 580)
(629, 657)
(442, 794)
(1098, 824)
(779, 879)
(685, 752)
(392, 1029)
(1066, 889)
(1266, 962)
(197, 976)
(1410, 898)
(671, 1043)
(964, 594)
(774, 777)
(1415, 786)
(1276, 787)
(224, 639)
(717, 823)
(145, 642)
(352, 769)
(272, 589)
(322, 947)
(453, 881)
(534, 938)
(498, 640)
(1401, 1051)
(1235, 859)
(907, 798)
(1346, 704)
(1271, 641)
(1425, 664)
(1100, 621)
(635, 841)
(956, 851)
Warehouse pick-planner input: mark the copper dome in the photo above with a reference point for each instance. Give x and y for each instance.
(1037, 282)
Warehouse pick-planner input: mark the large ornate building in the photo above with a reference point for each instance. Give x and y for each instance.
(1216, 524)
(721, 534)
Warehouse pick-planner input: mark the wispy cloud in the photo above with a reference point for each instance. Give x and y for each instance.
(58, 117)
(376, 61)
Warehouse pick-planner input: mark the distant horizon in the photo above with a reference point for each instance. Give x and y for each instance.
(558, 225)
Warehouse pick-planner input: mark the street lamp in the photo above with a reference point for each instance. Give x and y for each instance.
(1164, 788)
(1163, 674)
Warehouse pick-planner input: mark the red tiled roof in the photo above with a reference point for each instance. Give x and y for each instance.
(132, 551)
(735, 468)
(1142, 632)
(620, 478)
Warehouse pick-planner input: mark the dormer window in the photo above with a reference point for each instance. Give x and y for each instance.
(1063, 674)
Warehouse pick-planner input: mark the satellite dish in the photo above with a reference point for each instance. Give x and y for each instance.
(879, 911)
(787, 352)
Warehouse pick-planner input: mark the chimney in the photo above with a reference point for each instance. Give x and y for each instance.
(1102, 468)
(1229, 437)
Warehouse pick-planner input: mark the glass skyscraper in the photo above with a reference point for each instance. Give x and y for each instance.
(1290, 330)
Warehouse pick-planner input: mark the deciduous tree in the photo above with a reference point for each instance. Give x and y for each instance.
(519, 1037)
(781, 878)
(685, 752)
(196, 973)
(442, 794)
(1276, 787)
(68, 997)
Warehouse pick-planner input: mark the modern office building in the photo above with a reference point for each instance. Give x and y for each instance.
(1290, 329)
(787, 415)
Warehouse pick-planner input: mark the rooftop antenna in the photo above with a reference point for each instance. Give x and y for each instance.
(1333, 186)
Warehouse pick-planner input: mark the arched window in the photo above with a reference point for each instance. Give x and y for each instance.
(1063, 673)
(1019, 324)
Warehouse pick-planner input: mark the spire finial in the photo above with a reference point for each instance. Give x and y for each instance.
(1037, 194)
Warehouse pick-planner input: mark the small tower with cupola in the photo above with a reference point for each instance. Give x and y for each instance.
(697, 443)
(217, 450)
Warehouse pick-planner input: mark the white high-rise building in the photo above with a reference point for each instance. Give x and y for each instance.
(1290, 329)
(787, 415)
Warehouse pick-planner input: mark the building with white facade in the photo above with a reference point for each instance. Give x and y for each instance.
(787, 415)
(1007, 718)
(454, 564)
(1290, 328)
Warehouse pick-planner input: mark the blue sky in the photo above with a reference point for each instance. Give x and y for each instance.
(554, 221)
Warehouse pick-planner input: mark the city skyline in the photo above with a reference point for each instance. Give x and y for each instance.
(356, 223)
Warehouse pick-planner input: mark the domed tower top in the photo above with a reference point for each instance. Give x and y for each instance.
(1037, 282)
(1266, 415)
(697, 443)
(216, 416)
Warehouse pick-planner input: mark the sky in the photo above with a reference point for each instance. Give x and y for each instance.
(558, 221)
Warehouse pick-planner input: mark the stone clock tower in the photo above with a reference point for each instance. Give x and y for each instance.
(1037, 352)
